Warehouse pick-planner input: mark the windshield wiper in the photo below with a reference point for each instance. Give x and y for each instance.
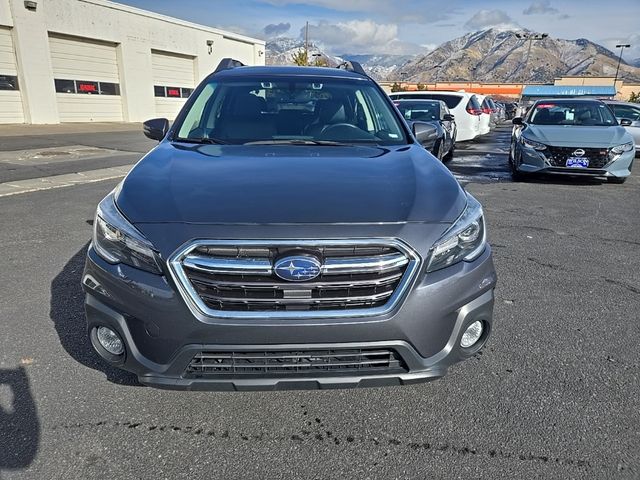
(324, 143)
(202, 140)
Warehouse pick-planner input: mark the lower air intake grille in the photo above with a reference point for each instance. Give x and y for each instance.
(296, 362)
(557, 156)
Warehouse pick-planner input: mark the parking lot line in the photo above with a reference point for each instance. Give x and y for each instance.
(59, 181)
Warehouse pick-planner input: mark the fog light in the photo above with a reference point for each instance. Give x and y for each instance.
(110, 341)
(472, 334)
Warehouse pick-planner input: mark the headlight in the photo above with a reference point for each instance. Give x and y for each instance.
(531, 144)
(465, 240)
(625, 147)
(117, 241)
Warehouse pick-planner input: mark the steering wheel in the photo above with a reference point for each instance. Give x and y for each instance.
(338, 125)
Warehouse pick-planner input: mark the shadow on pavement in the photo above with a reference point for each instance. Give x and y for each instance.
(19, 425)
(581, 180)
(67, 314)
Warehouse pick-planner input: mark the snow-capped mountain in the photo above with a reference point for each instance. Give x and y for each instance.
(281, 50)
(499, 56)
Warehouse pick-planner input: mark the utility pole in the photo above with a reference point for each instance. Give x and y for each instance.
(438, 68)
(306, 44)
(530, 37)
(621, 47)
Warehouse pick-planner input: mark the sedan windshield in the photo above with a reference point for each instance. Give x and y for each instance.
(293, 110)
(423, 111)
(572, 113)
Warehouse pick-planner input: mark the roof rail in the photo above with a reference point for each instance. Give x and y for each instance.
(228, 64)
(354, 67)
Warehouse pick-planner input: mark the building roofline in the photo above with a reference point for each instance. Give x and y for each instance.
(175, 21)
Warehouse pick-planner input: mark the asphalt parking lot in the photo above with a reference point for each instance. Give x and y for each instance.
(553, 395)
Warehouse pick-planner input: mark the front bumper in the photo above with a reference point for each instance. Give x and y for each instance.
(533, 161)
(162, 336)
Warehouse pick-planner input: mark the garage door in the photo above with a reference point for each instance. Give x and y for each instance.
(173, 82)
(10, 98)
(86, 77)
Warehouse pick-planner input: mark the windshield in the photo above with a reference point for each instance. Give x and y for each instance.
(291, 110)
(572, 113)
(626, 111)
(419, 111)
(452, 101)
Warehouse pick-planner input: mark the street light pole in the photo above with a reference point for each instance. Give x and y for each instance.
(621, 47)
(530, 37)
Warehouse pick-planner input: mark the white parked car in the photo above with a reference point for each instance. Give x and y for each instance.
(485, 117)
(628, 114)
(463, 105)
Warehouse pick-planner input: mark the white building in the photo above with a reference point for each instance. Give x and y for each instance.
(100, 61)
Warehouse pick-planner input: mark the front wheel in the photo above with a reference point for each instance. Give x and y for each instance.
(438, 150)
(516, 174)
(449, 155)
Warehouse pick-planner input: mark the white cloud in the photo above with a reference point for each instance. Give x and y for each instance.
(490, 19)
(540, 7)
(629, 54)
(359, 36)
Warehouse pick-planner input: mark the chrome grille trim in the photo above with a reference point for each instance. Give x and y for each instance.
(404, 257)
(380, 264)
(228, 265)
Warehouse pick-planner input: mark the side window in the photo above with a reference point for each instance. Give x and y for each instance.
(194, 117)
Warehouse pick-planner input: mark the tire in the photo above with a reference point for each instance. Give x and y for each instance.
(438, 151)
(617, 180)
(449, 155)
(516, 175)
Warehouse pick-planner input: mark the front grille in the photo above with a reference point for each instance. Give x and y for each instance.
(238, 278)
(557, 156)
(296, 362)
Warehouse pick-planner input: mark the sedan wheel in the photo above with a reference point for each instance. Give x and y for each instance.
(517, 175)
(439, 151)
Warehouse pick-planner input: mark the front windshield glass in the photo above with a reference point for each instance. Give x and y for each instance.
(420, 111)
(291, 110)
(572, 113)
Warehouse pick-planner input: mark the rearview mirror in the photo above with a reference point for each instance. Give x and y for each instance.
(517, 121)
(424, 132)
(449, 117)
(156, 129)
(625, 122)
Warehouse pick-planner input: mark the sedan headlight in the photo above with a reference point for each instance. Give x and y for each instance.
(620, 149)
(117, 241)
(465, 240)
(531, 144)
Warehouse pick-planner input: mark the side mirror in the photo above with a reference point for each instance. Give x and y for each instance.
(517, 121)
(156, 129)
(424, 132)
(449, 117)
(625, 122)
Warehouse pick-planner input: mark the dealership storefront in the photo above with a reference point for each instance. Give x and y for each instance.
(100, 61)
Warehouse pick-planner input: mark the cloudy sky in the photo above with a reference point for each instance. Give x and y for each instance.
(409, 26)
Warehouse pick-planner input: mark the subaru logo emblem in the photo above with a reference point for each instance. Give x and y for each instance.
(578, 153)
(297, 268)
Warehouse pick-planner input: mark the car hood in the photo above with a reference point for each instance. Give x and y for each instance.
(267, 184)
(573, 136)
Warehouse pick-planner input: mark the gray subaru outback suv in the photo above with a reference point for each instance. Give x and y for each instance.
(288, 231)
